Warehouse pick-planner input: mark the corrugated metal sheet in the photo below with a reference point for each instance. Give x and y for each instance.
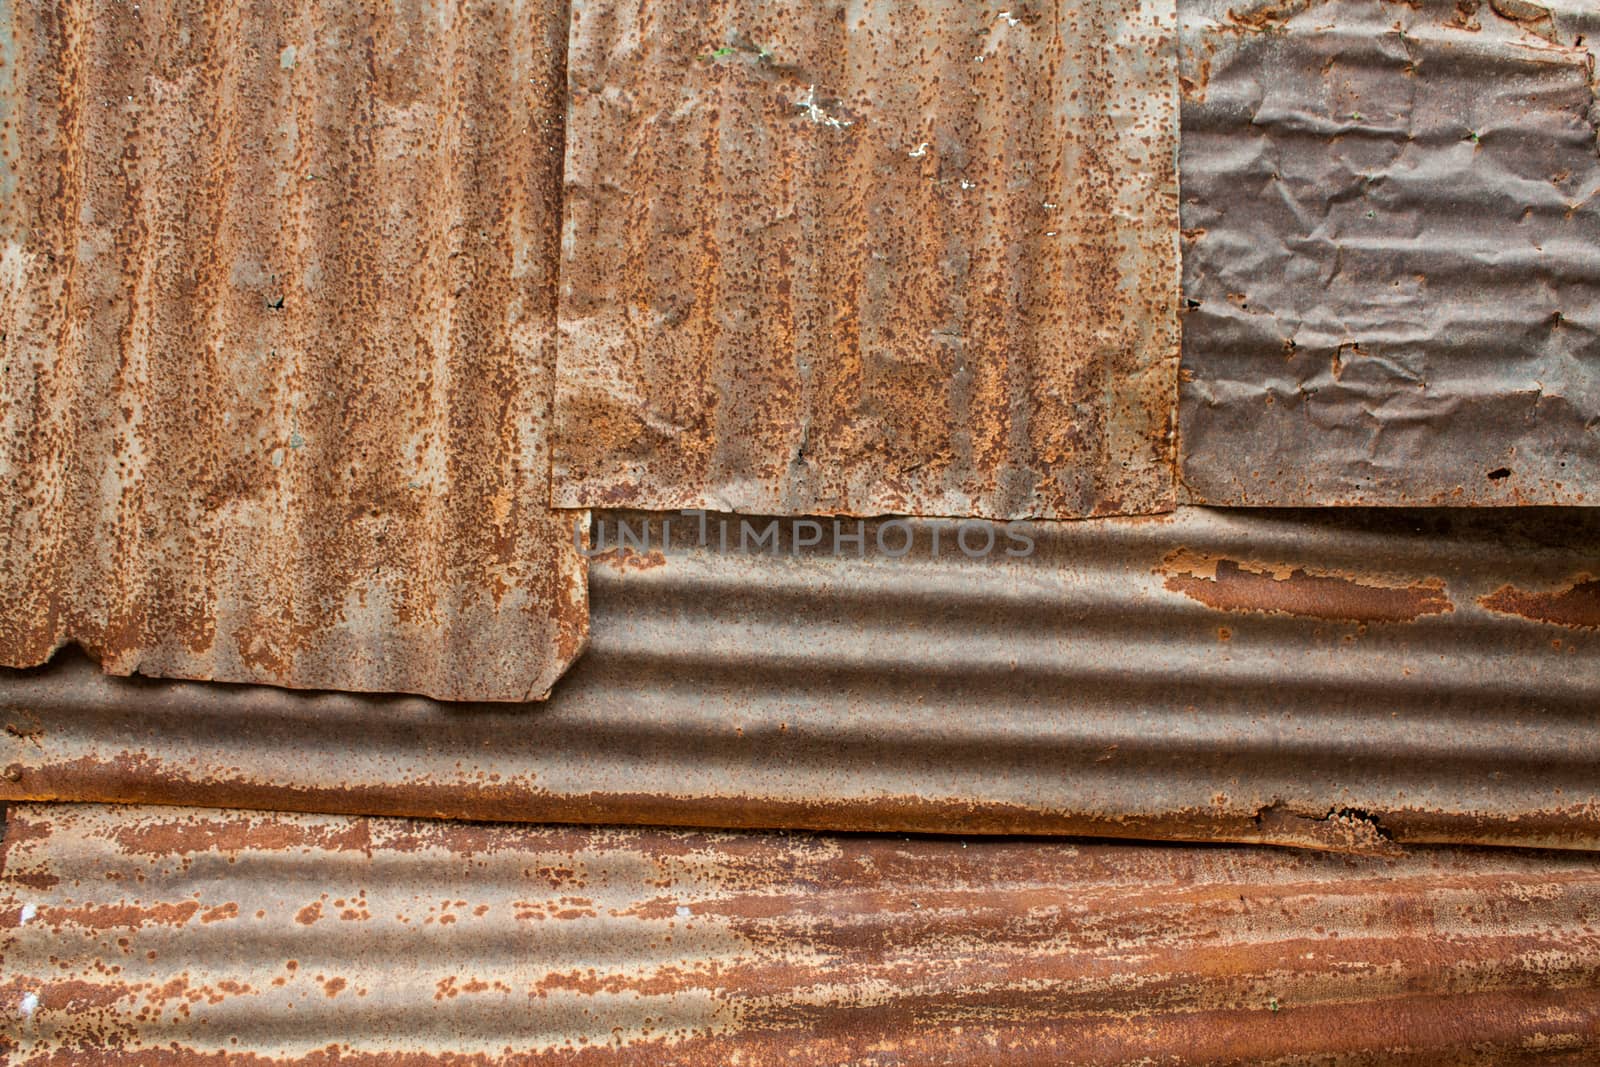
(1324, 679)
(812, 267)
(162, 936)
(1391, 218)
(276, 331)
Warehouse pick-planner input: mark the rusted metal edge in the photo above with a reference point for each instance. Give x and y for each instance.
(166, 936)
(1337, 680)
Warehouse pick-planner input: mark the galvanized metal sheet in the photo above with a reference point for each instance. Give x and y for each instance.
(1333, 680)
(277, 299)
(900, 256)
(164, 936)
(1391, 220)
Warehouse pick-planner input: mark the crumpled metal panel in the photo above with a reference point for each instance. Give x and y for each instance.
(277, 299)
(809, 268)
(1338, 681)
(161, 936)
(1391, 217)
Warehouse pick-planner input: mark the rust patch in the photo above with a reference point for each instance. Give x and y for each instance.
(1577, 606)
(1523, 11)
(1263, 17)
(629, 559)
(1228, 585)
(1337, 831)
(229, 910)
(164, 837)
(120, 916)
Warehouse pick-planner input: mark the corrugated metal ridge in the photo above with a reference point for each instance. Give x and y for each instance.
(161, 936)
(1335, 680)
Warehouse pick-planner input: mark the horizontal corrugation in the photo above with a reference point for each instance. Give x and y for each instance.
(157, 936)
(1325, 679)
(870, 258)
(277, 310)
(1391, 218)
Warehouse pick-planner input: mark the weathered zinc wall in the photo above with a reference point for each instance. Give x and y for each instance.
(145, 936)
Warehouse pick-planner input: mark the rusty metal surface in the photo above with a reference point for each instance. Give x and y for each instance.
(1333, 680)
(159, 936)
(1390, 214)
(810, 268)
(277, 311)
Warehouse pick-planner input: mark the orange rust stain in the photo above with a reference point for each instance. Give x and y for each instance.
(225, 911)
(34, 880)
(1578, 605)
(114, 916)
(626, 559)
(181, 837)
(1264, 18)
(68, 996)
(332, 986)
(309, 914)
(1229, 585)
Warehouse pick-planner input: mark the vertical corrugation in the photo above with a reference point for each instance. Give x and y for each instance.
(748, 164)
(302, 436)
(43, 353)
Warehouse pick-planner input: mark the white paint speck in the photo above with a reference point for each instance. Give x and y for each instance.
(814, 112)
(919, 151)
(966, 184)
(286, 57)
(28, 912)
(30, 1004)
(1050, 206)
(683, 912)
(1009, 21)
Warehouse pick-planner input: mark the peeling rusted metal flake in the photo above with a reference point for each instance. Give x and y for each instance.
(160, 936)
(1340, 681)
(1390, 221)
(277, 312)
(902, 256)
